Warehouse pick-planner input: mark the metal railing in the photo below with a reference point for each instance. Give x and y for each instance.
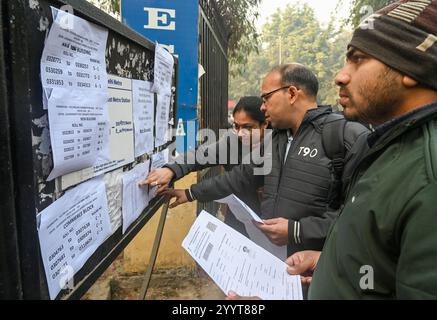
(213, 46)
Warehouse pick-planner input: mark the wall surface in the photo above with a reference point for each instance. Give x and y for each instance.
(171, 254)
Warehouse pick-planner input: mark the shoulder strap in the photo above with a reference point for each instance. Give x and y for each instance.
(333, 141)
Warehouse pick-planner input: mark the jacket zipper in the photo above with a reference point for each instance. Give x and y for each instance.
(304, 123)
(283, 163)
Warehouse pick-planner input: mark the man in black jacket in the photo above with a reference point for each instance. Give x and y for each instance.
(302, 189)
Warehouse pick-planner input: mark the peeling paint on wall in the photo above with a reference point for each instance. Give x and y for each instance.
(44, 147)
(121, 48)
(41, 122)
(46, 197)
(129, 60)
(33, 4)
(119, 69)
(43, 24)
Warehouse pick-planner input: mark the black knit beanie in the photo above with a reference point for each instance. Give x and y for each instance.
(403, 36)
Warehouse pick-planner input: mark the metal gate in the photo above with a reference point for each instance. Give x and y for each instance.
(24, 190)
(10, 278)
(213, 46)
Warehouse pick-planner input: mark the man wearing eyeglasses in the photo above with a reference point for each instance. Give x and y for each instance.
(302, 193)
(311, 148)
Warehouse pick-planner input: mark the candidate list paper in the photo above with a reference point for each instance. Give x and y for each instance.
(236, 263)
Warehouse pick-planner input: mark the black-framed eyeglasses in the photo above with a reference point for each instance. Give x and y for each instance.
(267, 95)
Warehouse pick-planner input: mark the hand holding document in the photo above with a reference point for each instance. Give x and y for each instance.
(246, 215)
(236, 263)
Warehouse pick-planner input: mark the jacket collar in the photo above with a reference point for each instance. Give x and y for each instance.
(310, 116)
(313, 114)
(395, 127)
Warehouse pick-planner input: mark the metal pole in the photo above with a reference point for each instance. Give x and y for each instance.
(154, 254)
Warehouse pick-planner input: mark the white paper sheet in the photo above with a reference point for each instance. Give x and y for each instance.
(246, 215)
(114, 194)
(162, 119)
(236, 263)
(73, 55)
(135, 198)
(163, 70)
(143, 111)
(70, 231)
(121, 138)
(74, 80)
(243, 209)
(79, 130)
(158, 160)
(121, 133)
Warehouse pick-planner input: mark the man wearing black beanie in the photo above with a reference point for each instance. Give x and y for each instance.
(384, 243)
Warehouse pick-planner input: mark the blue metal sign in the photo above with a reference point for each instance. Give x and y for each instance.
(174, 24)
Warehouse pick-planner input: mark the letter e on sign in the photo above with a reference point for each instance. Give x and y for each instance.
(160, 19)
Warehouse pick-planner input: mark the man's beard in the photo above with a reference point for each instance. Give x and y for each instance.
(380, 98)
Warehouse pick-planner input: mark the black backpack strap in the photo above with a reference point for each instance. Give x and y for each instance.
(333, 141)
(333, 133)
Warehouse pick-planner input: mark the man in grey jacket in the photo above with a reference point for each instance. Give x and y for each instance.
(302, 191)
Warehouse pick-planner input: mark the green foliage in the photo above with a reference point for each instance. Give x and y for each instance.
(295, 35)
(114, 5)
(239, 17)
(110, 6)
(362, 8)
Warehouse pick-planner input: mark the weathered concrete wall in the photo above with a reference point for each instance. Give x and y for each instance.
(171, 254)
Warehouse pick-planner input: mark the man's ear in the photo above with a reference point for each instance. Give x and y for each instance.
(409, 82)
(293, 91)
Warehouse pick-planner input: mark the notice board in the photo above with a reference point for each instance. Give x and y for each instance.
(29, 144)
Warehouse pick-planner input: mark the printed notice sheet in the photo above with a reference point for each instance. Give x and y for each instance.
(71, 229)
(78, 130)
(163, 70)
(162, 119)
(236, 263)
(74, 55)
(121, 133)
(74, 80)
(246, 215)
(158, 160)
(135, 198)
(143, 111)
(121, 137)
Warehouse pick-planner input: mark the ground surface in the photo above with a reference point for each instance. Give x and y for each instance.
(168, 284)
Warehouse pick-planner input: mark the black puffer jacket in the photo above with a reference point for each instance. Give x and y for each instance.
(302, 189)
